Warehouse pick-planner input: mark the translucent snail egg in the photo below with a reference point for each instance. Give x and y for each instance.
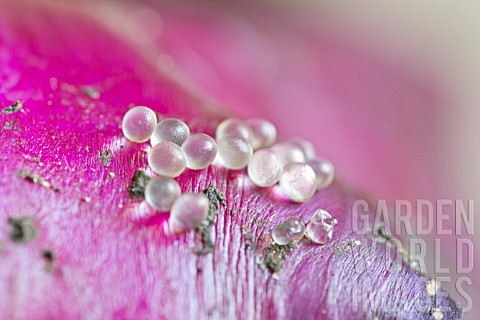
(172, 130)
(320, 227)
(138, 124)
(233, 127)
(263, 132)
(291, 230)
(265, 168)
(288, 152)
(324, 171)
(298, 181)
(188, 211)
(234, 152)
(200, 150)
(161, 192)
(167, 159)
(306, 146)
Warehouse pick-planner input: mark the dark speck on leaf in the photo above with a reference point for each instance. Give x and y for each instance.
(105, 157)
(13, 108)
(274, 256)
(139, 182)
(22, 229)
(49, 257)
(215, 198)
(382, 232)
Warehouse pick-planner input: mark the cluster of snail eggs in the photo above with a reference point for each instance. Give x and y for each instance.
(238, 144)
(292, 163)
(173, 150)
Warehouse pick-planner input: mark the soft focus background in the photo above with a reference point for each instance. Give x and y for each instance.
(438, 42)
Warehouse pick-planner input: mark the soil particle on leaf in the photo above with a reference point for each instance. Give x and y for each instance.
(13, 108)
(105, 157)
(260, 222)
(346, 246)
(22, 229)
(35, 178)
(10, 125)
(215, 198)
(249, 242)
(275, 255)
(49, 257)
(341, 251)
(139, 182)
(248, 237)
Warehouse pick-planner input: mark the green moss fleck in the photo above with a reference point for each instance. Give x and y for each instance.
(105, 157)
(139, 182)
(13, 108)
(35, 178)
(215, 198)
(22, 229)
